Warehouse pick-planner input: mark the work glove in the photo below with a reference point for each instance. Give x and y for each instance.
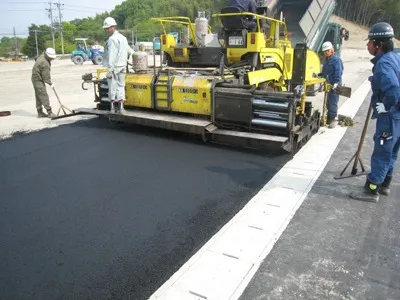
(380, 108)
(335, 85)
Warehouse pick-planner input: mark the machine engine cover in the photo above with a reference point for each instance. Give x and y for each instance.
(206, 56)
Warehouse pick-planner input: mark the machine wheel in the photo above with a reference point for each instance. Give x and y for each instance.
(98, 60)
(77, 60)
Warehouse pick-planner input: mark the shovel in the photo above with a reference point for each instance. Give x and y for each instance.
(343, 91)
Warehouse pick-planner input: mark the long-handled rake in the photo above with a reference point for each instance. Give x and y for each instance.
(62, 106)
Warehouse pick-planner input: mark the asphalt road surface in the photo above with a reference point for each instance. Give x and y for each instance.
(89, 211)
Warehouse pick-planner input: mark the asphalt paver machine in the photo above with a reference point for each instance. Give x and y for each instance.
(243, 86)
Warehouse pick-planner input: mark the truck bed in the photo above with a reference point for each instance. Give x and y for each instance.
(307, 20)
(293, 11)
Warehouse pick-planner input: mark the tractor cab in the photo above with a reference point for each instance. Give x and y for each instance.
(81, 46)
(84, 53)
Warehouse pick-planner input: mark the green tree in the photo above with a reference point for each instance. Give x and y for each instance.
(368, 12)
(36, 33)
(6, 46)
(9, 47)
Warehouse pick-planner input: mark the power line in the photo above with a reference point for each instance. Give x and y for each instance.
(82, 9)
(80, 6)
(15, 2)
(25, 9)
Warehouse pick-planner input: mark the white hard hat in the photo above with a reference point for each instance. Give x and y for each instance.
(326, 46)
(51, 53)
(108, 22)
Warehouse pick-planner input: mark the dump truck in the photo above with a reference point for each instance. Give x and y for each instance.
(308, 21)
(243, 86)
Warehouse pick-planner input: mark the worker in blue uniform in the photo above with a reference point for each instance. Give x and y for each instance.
(385, 102)
(332, 70)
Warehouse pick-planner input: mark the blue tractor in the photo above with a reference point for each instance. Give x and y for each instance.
(83, 53)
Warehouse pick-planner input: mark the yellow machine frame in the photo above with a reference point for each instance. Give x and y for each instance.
(275, 51)
(168, 42)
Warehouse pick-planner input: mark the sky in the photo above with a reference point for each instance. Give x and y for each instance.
(22, 13)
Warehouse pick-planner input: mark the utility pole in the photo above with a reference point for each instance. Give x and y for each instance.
(60, 26)
(50, 10)
(37, 49)
(136, 35)
(15, 44)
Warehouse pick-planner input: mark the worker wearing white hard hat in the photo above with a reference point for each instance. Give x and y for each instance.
(332, 70)
(41, 76)
(109, 22)
(116, 53)
(327, 46)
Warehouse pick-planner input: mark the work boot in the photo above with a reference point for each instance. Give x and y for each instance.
(121, 105)
(41, 114)
(50, 114)
(112, 106)
(332, 124)
(117, 108)
(384, 188)
(369, 193)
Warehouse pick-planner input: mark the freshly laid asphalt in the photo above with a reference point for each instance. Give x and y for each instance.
(336, 247)
(89, 211)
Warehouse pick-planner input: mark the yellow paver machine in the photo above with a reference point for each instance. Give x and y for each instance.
(243, 86)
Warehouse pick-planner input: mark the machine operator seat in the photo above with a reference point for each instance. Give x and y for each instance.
(237, 22)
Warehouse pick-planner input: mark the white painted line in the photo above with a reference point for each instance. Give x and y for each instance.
(224, 266)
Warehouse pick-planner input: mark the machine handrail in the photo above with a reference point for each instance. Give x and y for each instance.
(175, 20)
